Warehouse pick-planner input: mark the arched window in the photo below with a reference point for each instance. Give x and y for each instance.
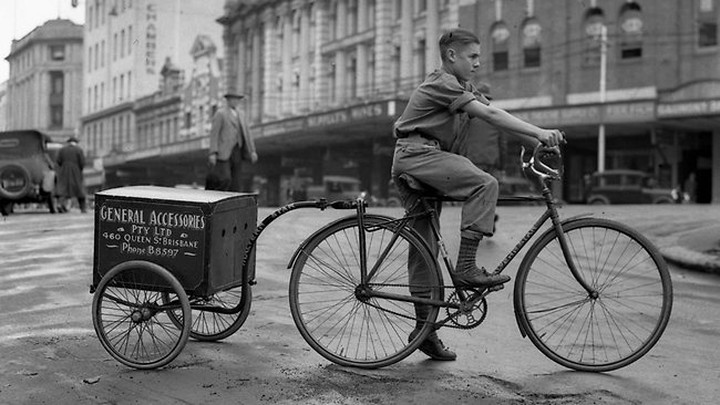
(531, 43)
(631, 31)
(592, 24)
(500, 35)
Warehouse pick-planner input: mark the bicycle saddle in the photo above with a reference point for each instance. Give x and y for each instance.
(423, 189)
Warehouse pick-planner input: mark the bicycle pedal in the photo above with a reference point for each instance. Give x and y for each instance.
(496, 288)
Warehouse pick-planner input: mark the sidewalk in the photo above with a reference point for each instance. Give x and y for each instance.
(697, 249)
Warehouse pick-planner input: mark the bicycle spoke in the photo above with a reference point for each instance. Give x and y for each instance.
(600, 332)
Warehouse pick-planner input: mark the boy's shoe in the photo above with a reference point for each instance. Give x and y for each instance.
(434, 347)
(479, 277)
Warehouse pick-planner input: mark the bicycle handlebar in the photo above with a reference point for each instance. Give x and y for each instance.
(537, 166)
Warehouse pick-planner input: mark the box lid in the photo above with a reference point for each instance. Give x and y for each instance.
(171, 194)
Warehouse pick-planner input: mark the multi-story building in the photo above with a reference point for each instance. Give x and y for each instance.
(126, 45)
(171, 125)
(45, 81)
(3, 106)
(327, 78)
(650, 103)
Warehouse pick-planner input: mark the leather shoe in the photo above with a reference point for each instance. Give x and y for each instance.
(479, 278)
(434, 347)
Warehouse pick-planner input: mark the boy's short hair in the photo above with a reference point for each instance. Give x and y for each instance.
(456, 36)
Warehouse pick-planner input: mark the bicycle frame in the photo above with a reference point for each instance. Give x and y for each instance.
(429, 212)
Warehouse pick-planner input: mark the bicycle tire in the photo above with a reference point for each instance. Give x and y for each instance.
(584, 333)
(130, 319)
(339, 324)
(208, 326)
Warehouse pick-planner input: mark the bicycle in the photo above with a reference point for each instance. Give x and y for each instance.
(591, 294)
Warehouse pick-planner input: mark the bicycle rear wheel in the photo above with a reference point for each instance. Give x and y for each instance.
(332, 308)
(576, 329)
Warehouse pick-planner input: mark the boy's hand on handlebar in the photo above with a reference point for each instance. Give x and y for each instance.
(551, 137)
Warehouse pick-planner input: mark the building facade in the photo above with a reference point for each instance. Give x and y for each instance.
(127, 43)
(45, 81)
(655, 92)
(326, 79)
(3, 106)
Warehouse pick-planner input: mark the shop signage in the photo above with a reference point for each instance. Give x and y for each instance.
(150, 38)
(594, 114)
(688, 109)
(324, 120)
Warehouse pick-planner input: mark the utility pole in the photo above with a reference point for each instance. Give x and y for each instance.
(603, 80)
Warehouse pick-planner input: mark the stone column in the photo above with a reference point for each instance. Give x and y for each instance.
(304, 96)
(286, 59)
(272, 96)
(383, 46)
(255, 100)
(715, 174)
(406, 45)
(432, 35)
(340, 57)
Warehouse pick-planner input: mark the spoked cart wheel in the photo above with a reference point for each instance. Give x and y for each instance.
(212, 326)
(132, 319)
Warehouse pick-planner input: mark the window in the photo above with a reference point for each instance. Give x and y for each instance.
(531, 33)
(593, 25)
(57, 83)
(57, 52)
(707, 34)
(130, 40)
(56, 102)
(500, 34)
(122, 43)
(631, 31)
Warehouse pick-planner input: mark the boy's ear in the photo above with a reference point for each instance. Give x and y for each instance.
(450, 54)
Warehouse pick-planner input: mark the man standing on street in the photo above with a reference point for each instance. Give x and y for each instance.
(70, 164)
(230, 144)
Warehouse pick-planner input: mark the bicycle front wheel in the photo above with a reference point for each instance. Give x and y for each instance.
(336, 312)
(610, 328)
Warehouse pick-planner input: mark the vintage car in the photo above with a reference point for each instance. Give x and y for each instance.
(626, 187)
(334, 188)
(26, 169)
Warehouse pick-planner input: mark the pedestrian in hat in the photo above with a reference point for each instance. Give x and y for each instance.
(230, 144)
(70, 183)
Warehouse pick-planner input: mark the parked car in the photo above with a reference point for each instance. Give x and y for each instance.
(516, 191)
(334, 188)
(27, 172)
(626, 187)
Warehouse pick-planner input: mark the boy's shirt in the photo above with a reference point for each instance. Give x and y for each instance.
(434, 109)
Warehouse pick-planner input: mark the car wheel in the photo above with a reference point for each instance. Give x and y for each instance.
(598, 200)
(6, 207)
(393, 202)
(14, 182)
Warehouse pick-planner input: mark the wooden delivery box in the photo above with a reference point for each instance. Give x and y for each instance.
(198, 235)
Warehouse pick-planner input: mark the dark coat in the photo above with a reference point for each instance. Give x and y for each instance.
(71, 161)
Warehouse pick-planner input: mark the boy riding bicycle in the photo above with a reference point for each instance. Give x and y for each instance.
(437, 113)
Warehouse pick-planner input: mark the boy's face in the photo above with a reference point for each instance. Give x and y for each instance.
(463, 60)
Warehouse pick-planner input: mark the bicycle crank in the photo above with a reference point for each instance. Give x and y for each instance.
(470, 314)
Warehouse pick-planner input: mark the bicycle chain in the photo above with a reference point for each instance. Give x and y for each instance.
(448, 323)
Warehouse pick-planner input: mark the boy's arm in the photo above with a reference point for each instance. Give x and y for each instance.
(508, 122)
